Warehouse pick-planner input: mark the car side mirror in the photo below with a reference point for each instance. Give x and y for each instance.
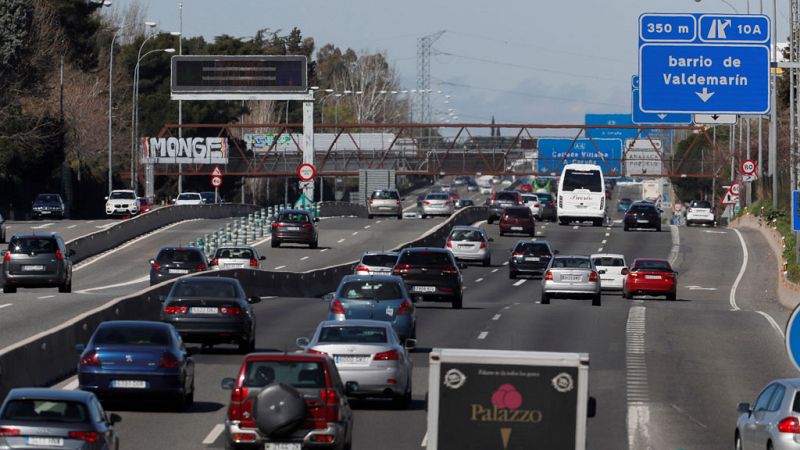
(253, 300)
(491, 239)
(410, 344)
(114, 418)
(316, 219)
(351, 387)
(70, 252)
(151, 261)
(625, 271)
(328, 297)
(556, 252)
(228, 384)
(591, 407)
(262, 258)
(301, 342)
(675, 272)
(743, 408)
(162, 298)
(462, 265)
(80, 348)
(402, 199)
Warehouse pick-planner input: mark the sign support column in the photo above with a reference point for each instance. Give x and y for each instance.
(307, 187)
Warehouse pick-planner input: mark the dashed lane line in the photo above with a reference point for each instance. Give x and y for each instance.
(6, 305)
(71, 227)
(638, 397)
(323, 250)
(355, 233)
(505, 263)
(280, 267)
(304, 258)
(520, 282)
(42, 226)
(378, 221)
(340, 241)
(600, 250)
(483, 335)
(214, 434)
(45, 297)
(604, 241)
(495, 270)
(367, 227)
(496, 317)
(479, 280)
(608, 234)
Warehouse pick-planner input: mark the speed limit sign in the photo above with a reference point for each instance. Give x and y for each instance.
(748, 167)
(306, 172)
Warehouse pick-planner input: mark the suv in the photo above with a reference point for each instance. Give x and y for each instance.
(700, 211)
(289, 400)
(431, 273)
(295, 226)
(173, 262)
(642, 215)
(48, 205)
(501, 200)
(517, 219)
(530, 257)
(37, 261)
(236, 257)
(122, 203)
(385, 202)
(376, 263)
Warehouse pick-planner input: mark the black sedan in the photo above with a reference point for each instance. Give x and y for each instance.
(174, 262)
(530, 258)
(294, 226)
(642, 215)
(212, 310)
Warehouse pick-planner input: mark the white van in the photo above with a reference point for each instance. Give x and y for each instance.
(581, 194)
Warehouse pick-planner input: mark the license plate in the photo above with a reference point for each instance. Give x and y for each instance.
(385, 208)
(45, 441)
(532, 258)
(424, 289)
(32, 268)
(203, 310)
(129, 384)
(292, 228)
(351, 359)
(516, 228)
(45, 212)
(179, 271)
(570, 278)
(652, 277)
(642, 221)
(232, 266)
(282, 446)
(465, 246)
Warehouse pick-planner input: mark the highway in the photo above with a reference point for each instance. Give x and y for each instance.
(67, 229)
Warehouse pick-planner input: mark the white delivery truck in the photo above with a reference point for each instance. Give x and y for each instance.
(505, 400)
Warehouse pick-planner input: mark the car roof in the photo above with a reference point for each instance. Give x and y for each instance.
(355, 323)
(607, 255)
(49, 394)
(169, 247)
(285, 356)
(52, 234)
(533, 241)
(295, 211)
(123, 190)
(650, 259)
(467, 227)
(249, 247)
(208, 279)
(380, 252)
(353, 277)
(385, 189)
(570, 256)
(520, 207)
(793, 382)
(425, 249)
(139, 323)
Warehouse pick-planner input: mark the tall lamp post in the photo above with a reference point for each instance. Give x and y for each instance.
(110, 87)
(135, 99)
(322, 104)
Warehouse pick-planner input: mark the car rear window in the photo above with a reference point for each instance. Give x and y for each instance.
(48, 198)
(300, 374)
(131, 335)
(367, 335)
(641, 208)
(385, 195)
(44, 410)
(518, 213)
(379, 260)
(234, 253)
(179, 255)
(466, 235)
(572, 263)
(33, 245)
(608, 261)
(205, 289)
(370, 290)
(702, 204)
(192, 196)
(652, 265)
(294, 218)
(438, 197)
(535, 249)
(507, 197)
(423, 258)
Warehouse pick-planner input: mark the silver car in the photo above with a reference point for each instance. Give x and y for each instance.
(773, 421)
(571, 277)
(470, 244)
(376, 263)
(385, 202)
(236, 257)
(368, 352)
(437, 204)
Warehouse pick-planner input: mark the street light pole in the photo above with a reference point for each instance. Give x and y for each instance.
(110, 88)
(180, 103)
(135, 100)
(773, 124)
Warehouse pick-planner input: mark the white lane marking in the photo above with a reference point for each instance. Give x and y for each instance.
(676, 244)
(604, 241)
(772, 322)
(91, 221)
(608, 234)
(323, 250)
(304, 258)
(6, 305)
(496, 317)
(424, 442)
(507, 307)
(520, 282)
(112, 286)
(700, 288)
(214, 434)
(108, 225)
(355, 233)
(575, 227)
(367, 227)
(71, 227)
(600, 250)
(636, 380)
(495, 270)
(714, 232)
(479, 280)
(72, 385)
(505, 263)
(280, 267)
(745, 257)
(84, 264)
(268, 297)
(44, 225)
(483, 334)
(46, 296)
(340, 241)
(263, 241)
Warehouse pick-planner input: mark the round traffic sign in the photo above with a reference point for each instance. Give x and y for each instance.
(748, 167)
(735, 189)
(793, 338)
(306, 172)
(216, 181)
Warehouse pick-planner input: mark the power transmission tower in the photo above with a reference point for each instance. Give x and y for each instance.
(424, 45)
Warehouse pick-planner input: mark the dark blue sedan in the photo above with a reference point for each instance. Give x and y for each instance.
(135, 359)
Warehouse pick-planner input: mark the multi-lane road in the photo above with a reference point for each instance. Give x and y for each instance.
(665, 374)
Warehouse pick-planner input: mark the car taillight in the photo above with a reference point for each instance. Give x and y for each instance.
(275, 225)
(401, 268)
(483, 244)
(370, 201)
(168, 361)
(633, 274)
(215, 262)
(536, 205)
(593, 277)
(230, 310)
(391, 355)
(59, 255)
(171, 309)
(397, 202)
(201, 267)
(308, 225)
(689, 210)
(316, 352)
(362, 269)
(426, 202)
(405, 308)
(9, 432)
(91, 359)
(337, 307)
(241, 408)
(789, 425)
(446, 268)
(7, 258)
(548, 276)
(449, 243)
(253, 262)
(448, 203)
(88, 436)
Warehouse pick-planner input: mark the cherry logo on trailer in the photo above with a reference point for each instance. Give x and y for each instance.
(507, 397)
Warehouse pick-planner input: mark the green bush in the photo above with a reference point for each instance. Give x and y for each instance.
(783, 223)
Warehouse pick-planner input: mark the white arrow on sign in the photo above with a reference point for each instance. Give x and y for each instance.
(715, 119)
(662, 116)
(705, 95)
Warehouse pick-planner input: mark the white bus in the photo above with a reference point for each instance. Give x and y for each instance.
(581, 194)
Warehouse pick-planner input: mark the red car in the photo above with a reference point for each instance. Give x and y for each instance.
(525, 188)
(517, 219)
(651, 277)
(146, 204)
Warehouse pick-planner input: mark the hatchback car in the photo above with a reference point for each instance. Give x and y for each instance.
(122, 203)
(369, 353)
(501, 200)
(375, 297)
(211, 310)
(174, 262)
(376, 263)
(437, 204)
(236, 257)
(571, 277)
(189, 198)
(296, 227)
(385, 202)
(146, 204)
(464, 203)
(547, 207)
(651, 277)
(642, 215)
(470, 244)
(55, 418)
(700, 212)
(288, 401)
(37, 261)
(211, 197)
(531, 201)
(773, 420)
(431, 274)
(612, 269)
(530, 258)
(134, 359)
(48, 205)
(517, 219)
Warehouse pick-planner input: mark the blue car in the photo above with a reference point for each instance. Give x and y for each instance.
(136, 359)
(623, 204)
(375, 297)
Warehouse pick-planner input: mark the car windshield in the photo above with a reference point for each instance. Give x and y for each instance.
(205, 289)
(572, 263)
(701, 204)
(385, 195)
(45, 410)
(354, 335)
(294, 218)
(466, 235)
(300, 374)
(608, 261)
(646, 264)
(189, 196)
(533, 248)
(423, 258)
(590, 180)
(118, 334)
(122, 196)
(209, 197)
(379, 260)
(438, 197)
(179, 255)
(32, 245)
(506, 197)
(641, 208)
(371, 290)
(47, 198)
(234, 253)
(518, 213)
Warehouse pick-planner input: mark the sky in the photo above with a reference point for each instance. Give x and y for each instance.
(522, 61)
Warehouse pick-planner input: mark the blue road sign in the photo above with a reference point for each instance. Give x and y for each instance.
(583, 151)
(646, 118)
(793, 337)
(796, 211)
(709, 64)
(611, 133)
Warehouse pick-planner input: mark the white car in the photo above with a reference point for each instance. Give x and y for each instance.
(122, 203)
(613, 270)
(236, 257)
(532, 202)
(437, 204)
(189, 198)
(470, 244)
(700, 212)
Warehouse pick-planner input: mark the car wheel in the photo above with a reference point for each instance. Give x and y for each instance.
(512, 275)
(458, 302)
(658, 228)
(370, 216)
(402, 401)
(275, 243)
(562, 222)
(424, 216)
(487, 262)
(9, 289)
(625, 295)
(400, 216)
(502, 234)
(671, 297)
(626, 228)
(545, 299)
(533, 233)
(66, 287)
(598, 222)
(597, 300)
(314, 244)
(248, 346)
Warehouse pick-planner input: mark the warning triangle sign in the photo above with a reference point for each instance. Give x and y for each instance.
(730, 199)
(216, 172)
(303, 202)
